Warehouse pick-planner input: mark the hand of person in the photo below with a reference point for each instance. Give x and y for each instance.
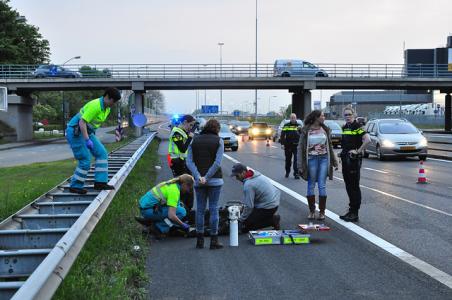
(185, 226)
(202, 180)
(191, 134)
(353, 151)
(89, 144)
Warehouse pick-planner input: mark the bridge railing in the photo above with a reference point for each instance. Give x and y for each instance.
(214, 71)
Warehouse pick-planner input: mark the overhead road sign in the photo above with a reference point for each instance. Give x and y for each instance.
(209, 109)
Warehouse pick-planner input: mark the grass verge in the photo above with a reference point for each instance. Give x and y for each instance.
(108, 267)
(22, 184)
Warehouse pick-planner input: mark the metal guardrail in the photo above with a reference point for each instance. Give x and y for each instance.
(43, 239)
(223, 71)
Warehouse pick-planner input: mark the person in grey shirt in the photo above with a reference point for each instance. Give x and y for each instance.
(261, 200)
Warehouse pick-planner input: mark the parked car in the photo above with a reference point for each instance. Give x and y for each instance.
(277, 132)
(395, 137)
(44, 71)
(241, 127)
(295, 67)
(229, 138)
(336, 132)
(259, 129)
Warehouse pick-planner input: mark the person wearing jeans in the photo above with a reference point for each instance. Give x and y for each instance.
(204, 162)
(317, 159)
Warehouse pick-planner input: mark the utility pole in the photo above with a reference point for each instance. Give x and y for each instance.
(221, 75)
(255, 91)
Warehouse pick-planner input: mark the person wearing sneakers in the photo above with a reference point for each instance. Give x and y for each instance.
(261, 200)
(317, 159)
(81, 136)
(354, 142)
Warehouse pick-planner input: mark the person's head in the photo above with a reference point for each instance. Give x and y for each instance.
(111, 96)
(239, 171)
(293, 118)
(314, 117)
(349, 114)
(186, 183)
(212, 126)
(187, 122)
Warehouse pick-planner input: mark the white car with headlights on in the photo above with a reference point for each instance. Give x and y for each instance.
(395, 138)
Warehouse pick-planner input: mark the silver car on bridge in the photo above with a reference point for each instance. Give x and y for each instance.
(395, 138)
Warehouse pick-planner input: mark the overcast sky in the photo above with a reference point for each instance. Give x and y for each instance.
(188, 31)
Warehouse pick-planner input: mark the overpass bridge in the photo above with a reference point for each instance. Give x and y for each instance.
(21, 81)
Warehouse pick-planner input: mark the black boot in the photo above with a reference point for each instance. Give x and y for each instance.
(200, 240)
(100, 186)
(79, 191)
(350, 217)
(311, 204)
(214, 243)
(322, 206)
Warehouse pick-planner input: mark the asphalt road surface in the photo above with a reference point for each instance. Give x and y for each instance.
(400, 249)
(44, 153)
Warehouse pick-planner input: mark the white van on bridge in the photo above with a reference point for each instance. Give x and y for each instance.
(295, 67)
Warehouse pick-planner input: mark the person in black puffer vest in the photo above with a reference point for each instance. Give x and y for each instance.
(204, 161)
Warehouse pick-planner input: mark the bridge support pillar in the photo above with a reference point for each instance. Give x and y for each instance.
(301, 103)
(139, 109)
(19, 116)
(448, 112)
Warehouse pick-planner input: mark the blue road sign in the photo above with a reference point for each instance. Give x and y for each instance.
(236, 113)
(209, 109)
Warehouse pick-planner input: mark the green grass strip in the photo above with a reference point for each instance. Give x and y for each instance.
(108, 267)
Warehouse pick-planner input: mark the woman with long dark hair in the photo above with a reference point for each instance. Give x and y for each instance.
(204, 161)
(316, 159)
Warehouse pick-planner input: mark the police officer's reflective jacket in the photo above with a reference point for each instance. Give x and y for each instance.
(290, 134)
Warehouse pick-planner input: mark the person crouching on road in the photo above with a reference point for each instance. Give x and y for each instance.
(354, 142)
(317, 159)
(81, 136)
(261, 200)
(289, 141)
(204, 161)
(161, 204)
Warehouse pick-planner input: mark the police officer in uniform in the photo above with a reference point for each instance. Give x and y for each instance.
(289, 140)
(354, 142)
(81, 136)
(179, 140)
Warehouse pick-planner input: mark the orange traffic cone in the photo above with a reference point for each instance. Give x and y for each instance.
(421, 178)
(268, 143)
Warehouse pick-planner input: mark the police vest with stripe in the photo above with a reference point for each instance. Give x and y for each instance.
(173, 150)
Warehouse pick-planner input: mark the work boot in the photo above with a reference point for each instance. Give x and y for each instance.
(322, 206)
(276, 222)
(79, 191)
(200, 240)
(287, 174)
(296, 176)
(344, 216)
(311, 204)
(214, 243)
(350, 217)
(100, 186)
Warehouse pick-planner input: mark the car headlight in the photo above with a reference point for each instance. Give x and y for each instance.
(268, 131)
(239, 128)
(387, 144)
(423, 142)
(255, 131)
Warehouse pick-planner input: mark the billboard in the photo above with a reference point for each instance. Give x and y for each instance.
(449, 61)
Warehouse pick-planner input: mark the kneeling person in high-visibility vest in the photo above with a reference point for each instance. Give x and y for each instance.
(161, 204)
(81, 136)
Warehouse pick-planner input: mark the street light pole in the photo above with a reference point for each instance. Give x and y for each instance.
(62, 97)
(255, 91)
(221, 75)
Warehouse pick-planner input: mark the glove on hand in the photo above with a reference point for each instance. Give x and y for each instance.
(89, 144)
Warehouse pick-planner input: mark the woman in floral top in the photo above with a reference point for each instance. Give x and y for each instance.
(316, 159)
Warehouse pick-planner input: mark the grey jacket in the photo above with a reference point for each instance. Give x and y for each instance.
(259, 193)
(302, 152)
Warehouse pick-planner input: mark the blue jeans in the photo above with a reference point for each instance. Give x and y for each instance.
(202, 194)
(317, 172)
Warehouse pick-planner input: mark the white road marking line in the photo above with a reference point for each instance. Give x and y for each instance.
(375, 170)
(160, 126)
(442, 160)
(401, 199)
(274, 147)
(406, 257)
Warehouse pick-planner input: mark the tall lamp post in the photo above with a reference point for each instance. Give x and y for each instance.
(255, 91)
(62, 97)
(221, 75)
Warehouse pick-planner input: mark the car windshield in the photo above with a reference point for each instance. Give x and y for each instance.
(260, 125)
(243, 123)
(397, 127)
(224, 128)
(332, 125)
